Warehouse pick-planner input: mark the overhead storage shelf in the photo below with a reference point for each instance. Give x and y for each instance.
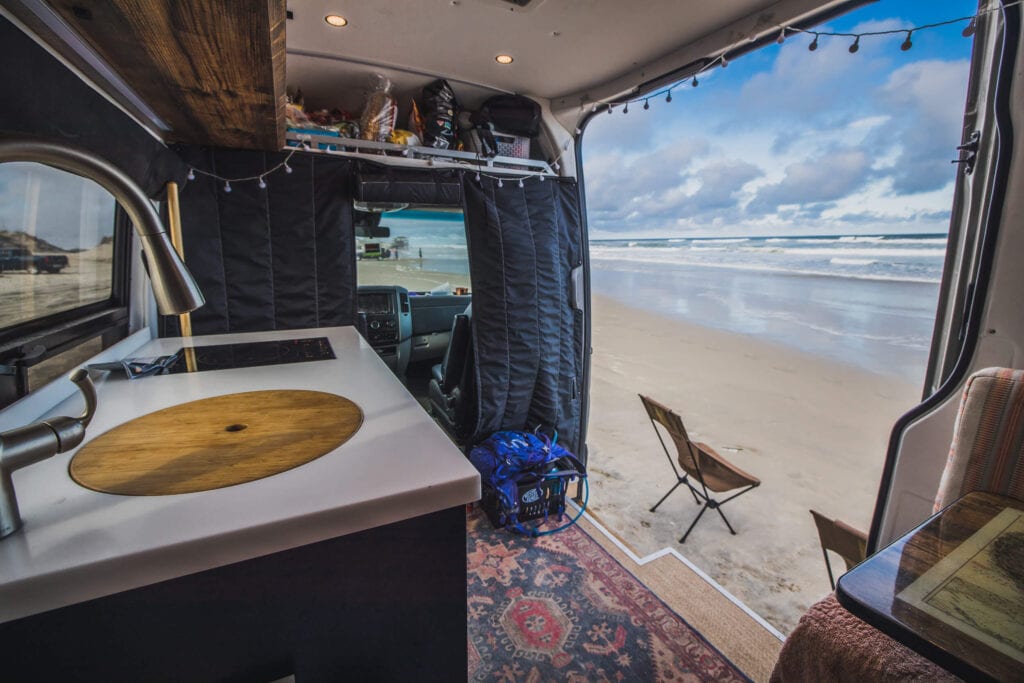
(408, 155)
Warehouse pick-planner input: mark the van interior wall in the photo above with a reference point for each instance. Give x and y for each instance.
(524, 242)
(47, 100)
(274, 258)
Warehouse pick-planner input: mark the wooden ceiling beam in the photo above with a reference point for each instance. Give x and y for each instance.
(214, 71)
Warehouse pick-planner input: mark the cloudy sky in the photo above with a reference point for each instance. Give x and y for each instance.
(786, 141)
(63, 209)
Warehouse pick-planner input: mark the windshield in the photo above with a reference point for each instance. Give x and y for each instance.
(423, 250)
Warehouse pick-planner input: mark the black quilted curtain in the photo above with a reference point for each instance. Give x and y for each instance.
(277, 258)
(524, 243)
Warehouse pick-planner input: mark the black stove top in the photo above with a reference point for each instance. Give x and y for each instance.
(253, 354)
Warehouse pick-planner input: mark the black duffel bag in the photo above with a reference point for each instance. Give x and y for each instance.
(513, 114)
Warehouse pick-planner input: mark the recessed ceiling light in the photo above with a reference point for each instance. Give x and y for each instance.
(503, 59)
(336, 20)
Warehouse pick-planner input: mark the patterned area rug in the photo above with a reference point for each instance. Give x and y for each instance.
(560, 608)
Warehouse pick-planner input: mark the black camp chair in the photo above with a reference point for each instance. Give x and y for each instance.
(711, 471)
(450, 387)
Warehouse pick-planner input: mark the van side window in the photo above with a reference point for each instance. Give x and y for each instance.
(56, 258)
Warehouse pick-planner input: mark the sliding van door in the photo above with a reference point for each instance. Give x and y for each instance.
(978, 323)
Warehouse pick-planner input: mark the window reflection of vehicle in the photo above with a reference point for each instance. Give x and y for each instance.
(23, 259)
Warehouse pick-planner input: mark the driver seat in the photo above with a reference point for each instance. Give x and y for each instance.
(449, 390)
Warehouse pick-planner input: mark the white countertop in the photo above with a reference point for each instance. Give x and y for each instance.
(79, 544)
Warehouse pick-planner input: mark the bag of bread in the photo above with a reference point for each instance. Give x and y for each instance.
(380, 112)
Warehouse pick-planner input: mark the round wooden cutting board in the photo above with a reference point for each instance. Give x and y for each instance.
(216, 442)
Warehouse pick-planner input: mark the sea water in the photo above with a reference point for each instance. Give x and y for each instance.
(868, 301)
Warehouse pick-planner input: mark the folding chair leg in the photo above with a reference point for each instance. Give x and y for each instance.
(828, 566)
(719, 509)
(678, 483)
(692, 492)
(694, 523)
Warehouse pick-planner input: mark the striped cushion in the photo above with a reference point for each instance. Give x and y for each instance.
(988, 438)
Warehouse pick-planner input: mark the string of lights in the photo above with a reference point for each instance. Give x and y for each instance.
(259, 177)
(786, 32)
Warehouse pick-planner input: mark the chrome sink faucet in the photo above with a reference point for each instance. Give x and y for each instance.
(27, 445)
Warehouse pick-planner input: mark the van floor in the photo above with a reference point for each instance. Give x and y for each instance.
(747, 640)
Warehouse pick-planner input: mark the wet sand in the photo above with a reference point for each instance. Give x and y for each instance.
(813, 430)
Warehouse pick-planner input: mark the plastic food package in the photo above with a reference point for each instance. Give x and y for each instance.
(380, 112)
(415, 120)
(294, 116)
(403, 137)
(439, 111)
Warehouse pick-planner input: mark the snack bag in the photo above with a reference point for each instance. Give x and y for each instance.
(380, 112)
(415, 120)
(439, 108)
(403, 137)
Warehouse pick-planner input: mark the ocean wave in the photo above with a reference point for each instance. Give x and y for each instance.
(861, 238)
(852, 261)
(871, 252)
(923, 240)
(597, 259)
(724, 240)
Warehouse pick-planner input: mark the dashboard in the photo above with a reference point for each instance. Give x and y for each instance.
(408, 328)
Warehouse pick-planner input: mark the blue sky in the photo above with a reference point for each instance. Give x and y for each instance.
(788, 141)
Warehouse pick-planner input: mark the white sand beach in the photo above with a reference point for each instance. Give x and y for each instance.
(813, 430)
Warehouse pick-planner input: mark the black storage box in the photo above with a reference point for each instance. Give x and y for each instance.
(536, 497)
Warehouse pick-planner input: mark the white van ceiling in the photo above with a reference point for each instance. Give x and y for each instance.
(560, 48)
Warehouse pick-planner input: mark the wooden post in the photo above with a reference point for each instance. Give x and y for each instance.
(174, 217)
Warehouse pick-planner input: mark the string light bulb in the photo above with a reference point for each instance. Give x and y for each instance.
(578, 130)
(625, 110)
(907, 44)
(520, 182)
(593, 109)
(668, 97)
(814, 43)
(541, 177)
(287, 168)
(647, 105)
(609, 110)
(782, 37)
(478, 176)
(227, 186)
(971, 27)
(191, 174)
(263, 183)
(855, 46)
(555, 165)
(500, 184)
(723, 61)
(694, 83)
